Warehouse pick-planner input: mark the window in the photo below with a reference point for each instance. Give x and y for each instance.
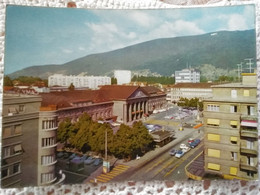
(233, 140)
(233, 93)
(7, 132)
(250, 144)
(47, 177)
(21, 108)
(233, 108)
(233, 171)
(246, 93)
(17, 168)
(11, 111)
(213, 137)
(17, 149)
(250, 161)
(213, 153)
(48, 159)
(5, 172)
(17, 129)
(48, 142)
(212, 107)
(6, 152)
(213, 122)
(214, 166)
(234, 156)
(250, 110)
(233, 124)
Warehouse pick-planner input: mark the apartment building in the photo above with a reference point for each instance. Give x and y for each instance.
(122, 76)
(189, 90)
(187, 76)
(78, 81)
(230, 119)
(28, 142)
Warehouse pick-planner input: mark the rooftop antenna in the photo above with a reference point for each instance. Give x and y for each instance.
(249, 63)
(239, 70)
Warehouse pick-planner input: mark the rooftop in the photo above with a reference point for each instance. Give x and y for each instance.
(193, 85)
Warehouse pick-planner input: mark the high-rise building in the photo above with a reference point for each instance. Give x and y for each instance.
(187, 76)
(79, 81)
(230, 119)
(122, 76)
(28, 142)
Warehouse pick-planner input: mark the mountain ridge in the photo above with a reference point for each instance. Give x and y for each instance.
(223, 49)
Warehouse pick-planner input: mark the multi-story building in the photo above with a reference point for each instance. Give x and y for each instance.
(189, 90)
(92, 82)
(122, 76)
(28, 142)
(230, 119)
(187, 76)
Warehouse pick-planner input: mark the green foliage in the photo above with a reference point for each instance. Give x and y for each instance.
(28, 79)
(224, 78)
(193, 102)
(8, 81)
(71, 87)
(66, 131)
(113, 81)
(152, 80)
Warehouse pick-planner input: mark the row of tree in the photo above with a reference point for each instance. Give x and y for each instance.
(193, 102)
(164, 80)
(88, 135)
(24, 80)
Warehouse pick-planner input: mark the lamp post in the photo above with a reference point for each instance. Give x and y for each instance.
(106, 164)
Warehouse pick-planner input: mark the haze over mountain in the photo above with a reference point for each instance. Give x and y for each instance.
(223, 49)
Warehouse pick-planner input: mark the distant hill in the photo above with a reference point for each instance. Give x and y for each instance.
(222, 49)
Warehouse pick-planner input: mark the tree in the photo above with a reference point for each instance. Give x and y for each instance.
(71, 87)
(65, 131)
(8, 81)
(113, 81)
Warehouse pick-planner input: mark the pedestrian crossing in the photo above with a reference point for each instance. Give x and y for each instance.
(105, 177)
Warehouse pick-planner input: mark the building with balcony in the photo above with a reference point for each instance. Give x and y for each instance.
(187, 76)
(79, 81)
(28, 142)
(189, 91)
(230, 124)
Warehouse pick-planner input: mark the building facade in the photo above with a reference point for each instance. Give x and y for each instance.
(187, 76)
(92, 82)
(122, 76)
(28, 146)
(230, 119)
(189, 90)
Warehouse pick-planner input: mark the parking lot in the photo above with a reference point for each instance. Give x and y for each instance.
(76, 171)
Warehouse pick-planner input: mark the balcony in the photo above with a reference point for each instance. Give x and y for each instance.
(248, 167)
(249, 117)
(252, 151)
(252, 133)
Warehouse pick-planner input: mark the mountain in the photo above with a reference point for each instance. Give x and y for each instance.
(223, 49)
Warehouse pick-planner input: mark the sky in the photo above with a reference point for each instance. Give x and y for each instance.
(41, 36)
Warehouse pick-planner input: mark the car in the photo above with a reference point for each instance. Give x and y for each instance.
(179, 154)
(97, 161)
(84, 157)
(89, 160)
(183, 146)
(195, 143)
(173, 152)
(66, 155)
(186, 149)
(60, 154)
(190, 140)
(72, 156)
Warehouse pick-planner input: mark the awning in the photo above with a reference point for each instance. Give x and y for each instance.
(248, 123)
(233, 123)
(214, 166)
(213, 121)
(233, 171)
(18, 148)
(234, 139)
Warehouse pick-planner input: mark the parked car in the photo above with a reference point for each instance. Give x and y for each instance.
(84, 157)
(89, 160)
(97, 161)
(72, 156)
(60, 154)
(186, 149)
(190, 140)
(179, 154)
(182, 146)
(195, 143)
(173, 152)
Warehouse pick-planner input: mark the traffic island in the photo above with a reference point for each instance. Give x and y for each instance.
(195, 169)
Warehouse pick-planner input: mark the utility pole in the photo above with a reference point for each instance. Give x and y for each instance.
(249, 63)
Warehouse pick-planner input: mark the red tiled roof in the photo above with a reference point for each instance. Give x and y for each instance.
(151, 90)
(113, 92)
(193, 85)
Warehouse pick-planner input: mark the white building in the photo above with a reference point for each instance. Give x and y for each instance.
(79, 81)
(187, 76)
(122, 76)
(189, 90)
